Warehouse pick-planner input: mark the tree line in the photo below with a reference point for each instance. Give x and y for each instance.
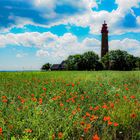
(114, 60)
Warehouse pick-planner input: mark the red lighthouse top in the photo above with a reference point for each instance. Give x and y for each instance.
(104, 28)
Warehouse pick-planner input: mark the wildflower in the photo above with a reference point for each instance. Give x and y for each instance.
(101, 85)
(125, 97)
(4, 100)
(60, 135)
(126, 88)
(40, 101)
(90, 108)
(87, 114)
(111, 105)
(109, 123)
(34, 99)
(44, 89)
(85, 130)
(104, 106)
(95, 137)
(0, 130)
(93, 118)
(88, 126)
(61, 104)
(28, 130)
(96, 108)
(72, 85)
(116, 124)
(78, 109)
(106, 118)
(117, 95)
(53, 136)
(132, 97)
(4, 97)
(82, 97)
(82, 123)
(19, 97)
(32, 95)
(73, 112)
(133, 116)
(22, 101)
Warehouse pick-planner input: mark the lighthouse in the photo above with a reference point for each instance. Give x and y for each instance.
(104, 43)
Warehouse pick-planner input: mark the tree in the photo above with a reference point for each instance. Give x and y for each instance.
(73, 62)
(90, 60)
(137, 63)
(46, 67)
(118, 60)
(87, 61)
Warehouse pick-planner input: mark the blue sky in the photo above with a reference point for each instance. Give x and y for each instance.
(38, 31)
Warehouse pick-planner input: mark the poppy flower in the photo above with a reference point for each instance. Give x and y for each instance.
(87, 114)
(60, 135)
(133, 115)
(28, 130)
(40, 101)
(0, 130)
(132, 97)
(72, 85)
(82, 123)
(53, 137)
(116, 124)
(4, 100)
(95, 137)
(104, 106)
(109, 123)
(61, 104)
(96, 108)
(106, 118)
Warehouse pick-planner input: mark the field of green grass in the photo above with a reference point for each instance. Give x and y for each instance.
(70, 105)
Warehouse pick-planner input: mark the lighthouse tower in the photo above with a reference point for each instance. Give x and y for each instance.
(104, 44)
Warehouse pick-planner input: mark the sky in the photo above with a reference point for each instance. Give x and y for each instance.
(34, 32)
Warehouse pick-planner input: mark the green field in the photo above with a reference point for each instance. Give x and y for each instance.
(70, 105)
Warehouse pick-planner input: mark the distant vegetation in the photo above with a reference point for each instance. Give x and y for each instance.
(114, 60)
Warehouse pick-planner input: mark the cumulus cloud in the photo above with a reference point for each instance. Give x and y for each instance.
(21, 55)
(130, 45)
(58, 48)
(42, 53)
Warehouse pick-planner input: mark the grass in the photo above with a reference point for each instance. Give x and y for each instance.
(70, 105)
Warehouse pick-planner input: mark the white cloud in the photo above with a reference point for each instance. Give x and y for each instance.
(21, 55)
(57, 48)
(87, 18)
(132, 46)
(42, 53)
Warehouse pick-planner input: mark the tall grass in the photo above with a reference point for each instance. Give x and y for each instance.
(70, 105)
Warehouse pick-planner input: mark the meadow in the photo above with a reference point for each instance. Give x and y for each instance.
(70, 105)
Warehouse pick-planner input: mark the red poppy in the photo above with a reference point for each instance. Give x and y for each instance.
(87, 114)
(0, 130)
(104, 106)
(72, 85)
(95, 137)
(133, 115)
(116, 124)
(4, 100)
(60, 135)
(109, 123)
(61, 104)
(96, 108)
(40, 101)
(44, 88)
(132, 97)
(106, 118)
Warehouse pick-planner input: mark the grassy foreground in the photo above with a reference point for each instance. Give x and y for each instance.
(70, 106)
